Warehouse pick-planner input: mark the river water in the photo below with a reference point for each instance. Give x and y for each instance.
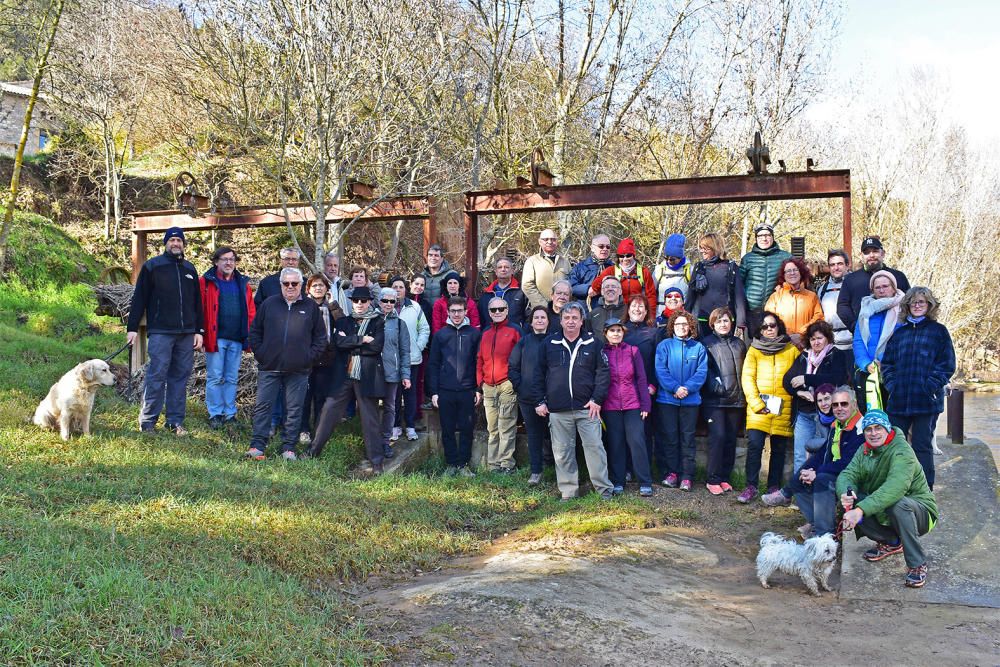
(982, 420)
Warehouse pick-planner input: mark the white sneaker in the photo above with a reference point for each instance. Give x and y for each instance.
(411, 434)
(396, 432)
(289, 456)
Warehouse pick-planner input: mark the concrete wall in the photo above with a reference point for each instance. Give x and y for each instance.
(12, 109)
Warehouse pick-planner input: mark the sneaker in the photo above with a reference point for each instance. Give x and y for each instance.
(714, 489)
(450, 471)
(685, 485)
(617, 491)
(177, 429)
(215, 422)
(748, 494)
(507, 471)
(645, 491)
(305, 438)
(396, 433)
(365, 466)
(465, 471)
(670, 481)
(775, 499)
(916, 577)
(387, 452)
(805, 530)
(882, 550)
(535, 479)
(726, 487)
(254, 454)
(289, 456)
(411, 434)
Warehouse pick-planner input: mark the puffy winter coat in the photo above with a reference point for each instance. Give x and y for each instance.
(419, 328)
(209, 285)
(167, 293)
(433, 281)
(796, 308)
(628, 389)
(680, 362)
(722, 386)
(495, 347)
(396, 349)
(570, 375)
(919, 361)
(764, 374)
(759, 271)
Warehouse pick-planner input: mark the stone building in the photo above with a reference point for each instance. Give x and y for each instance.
(13, 103)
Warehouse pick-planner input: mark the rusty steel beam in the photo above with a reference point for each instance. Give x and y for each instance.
(706, 190)
(272, 215)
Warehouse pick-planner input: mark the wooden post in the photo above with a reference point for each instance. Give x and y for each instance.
(847, 227)
(430, 225)
(138, 354)
(471, 253)
(138, 253)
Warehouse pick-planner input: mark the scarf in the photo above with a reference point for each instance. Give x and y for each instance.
(915, 320)
(771, 346)
(825, 419)
(675, 267)
(871, 306)
(813, 360)
(871, 448)
(354, 361)
(839, 428)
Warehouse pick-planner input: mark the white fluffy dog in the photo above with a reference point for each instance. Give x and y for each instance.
(812, 561)
(71, 400)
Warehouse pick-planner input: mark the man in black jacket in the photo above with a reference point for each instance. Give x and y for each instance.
(270, 285)
(286, 336)
(451, 378)
(168, 295)
(857, 285)
(571, 381)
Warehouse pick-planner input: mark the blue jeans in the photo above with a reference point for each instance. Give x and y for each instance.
(804, 430)
(222, 369)
(817, 501)
(171, 358)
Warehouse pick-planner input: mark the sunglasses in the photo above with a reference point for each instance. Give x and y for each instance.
(290, 284)
(388, 301)
(359, 300)
(841, 404)
(627, 256)
(769, 326)
(498, 310)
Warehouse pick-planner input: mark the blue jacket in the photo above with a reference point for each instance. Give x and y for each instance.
(583, 273)
(864, 353)
(680, 363)
(919, 361)
(452, 362)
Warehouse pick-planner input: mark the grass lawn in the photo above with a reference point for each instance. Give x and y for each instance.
(120, 549)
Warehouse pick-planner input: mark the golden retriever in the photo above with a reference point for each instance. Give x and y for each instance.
(71, 400)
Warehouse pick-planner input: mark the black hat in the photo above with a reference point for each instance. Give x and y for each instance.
(871, 242)
(172, 232)
(613, 322)
(360, 293)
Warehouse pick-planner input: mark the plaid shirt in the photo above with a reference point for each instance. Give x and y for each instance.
(919, 361)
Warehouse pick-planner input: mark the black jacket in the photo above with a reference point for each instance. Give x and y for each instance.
(722, 388)
(833, 370)
(349, 343)
(857, 285)
(601, 313)
(523, 362)
(452, 363)
(645, 338)
(271, 286)
(569, 376)
(287, 338)
(168, 293)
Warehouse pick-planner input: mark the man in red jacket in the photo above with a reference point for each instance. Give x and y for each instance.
(497, 343)
(635, 278)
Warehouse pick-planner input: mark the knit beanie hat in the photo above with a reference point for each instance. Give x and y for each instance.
(174, 232)
(674, 247)
(876, 418)
(763, 227)
(670, 290)
(883, 274)
(626, 247)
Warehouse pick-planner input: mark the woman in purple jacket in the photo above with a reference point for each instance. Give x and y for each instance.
(624, 410)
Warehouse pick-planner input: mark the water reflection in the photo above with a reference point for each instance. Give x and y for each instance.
(982, 420)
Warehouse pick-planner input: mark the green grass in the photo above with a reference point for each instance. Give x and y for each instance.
(41, 253)
(120, 549)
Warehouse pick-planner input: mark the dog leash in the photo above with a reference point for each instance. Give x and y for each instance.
(117, 352)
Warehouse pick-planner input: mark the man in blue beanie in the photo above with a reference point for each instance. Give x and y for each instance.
(168, 295)
(673, 271)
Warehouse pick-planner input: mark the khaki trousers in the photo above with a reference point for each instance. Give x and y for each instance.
(501, 424)
(563, 427)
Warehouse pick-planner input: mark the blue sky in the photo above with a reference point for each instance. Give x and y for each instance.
(881, 40)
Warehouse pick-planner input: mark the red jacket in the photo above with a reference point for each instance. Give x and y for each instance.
(631, 283)
(439, 314)
(497, 343)
(210, 308)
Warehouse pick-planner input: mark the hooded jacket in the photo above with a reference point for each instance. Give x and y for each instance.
(287, 337)
(517, 303)
(759, 271)
(495, 347)
(722, 386)
(209, 287)
(627, 388)
(570, 375)
(167, 292)
(680, 363)
(919, 361)
(452, 362)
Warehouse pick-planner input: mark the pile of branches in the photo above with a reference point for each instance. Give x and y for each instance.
(113, 300)
(130, 388)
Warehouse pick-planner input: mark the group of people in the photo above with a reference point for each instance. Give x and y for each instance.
(622, 356)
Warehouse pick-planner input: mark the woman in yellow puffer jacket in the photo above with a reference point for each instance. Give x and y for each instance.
(769, 357)
(796, 304)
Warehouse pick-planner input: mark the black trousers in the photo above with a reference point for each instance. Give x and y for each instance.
(723, 424)
(457, 411)
(755, 451)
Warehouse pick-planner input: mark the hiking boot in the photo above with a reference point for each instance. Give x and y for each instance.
(805, 530)
(726, 487)
(396, 432)
(254, 454)
(882, 550)
(535, 479)
(645, 491)
(916, 577)
(714, 489)
(465, 471)
(775, 499)
(387, 452)
(685, 485)
(289, 456)
(670, 481)
(411, 434)
(215, 422)
(748, 494)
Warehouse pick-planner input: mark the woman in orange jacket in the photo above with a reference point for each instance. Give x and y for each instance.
(792, 301)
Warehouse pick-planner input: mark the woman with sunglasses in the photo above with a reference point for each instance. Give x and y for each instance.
(769, 405)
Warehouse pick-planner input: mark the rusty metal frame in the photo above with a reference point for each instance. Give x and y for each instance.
(540, 198)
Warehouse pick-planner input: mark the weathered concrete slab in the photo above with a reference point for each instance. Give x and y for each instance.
(961, 548)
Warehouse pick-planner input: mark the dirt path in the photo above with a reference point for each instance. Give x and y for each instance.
(668, 596)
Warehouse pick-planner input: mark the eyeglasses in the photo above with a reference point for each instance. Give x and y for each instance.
(388, 301)
(227, 260)
(498, 310)
(769, 325)
(604, 246)
(456, 312)
(841, 404)
(290, 284)
(353, 300)
(626, 256)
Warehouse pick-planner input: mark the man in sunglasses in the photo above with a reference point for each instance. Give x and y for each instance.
(584, 272)
(634, 278)
(814, 487)
(286, 336)
(497, 343)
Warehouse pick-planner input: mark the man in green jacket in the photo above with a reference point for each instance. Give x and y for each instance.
(759, 271)
(886, 497)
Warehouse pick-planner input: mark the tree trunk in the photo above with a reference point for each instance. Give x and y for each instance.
(55, 11)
